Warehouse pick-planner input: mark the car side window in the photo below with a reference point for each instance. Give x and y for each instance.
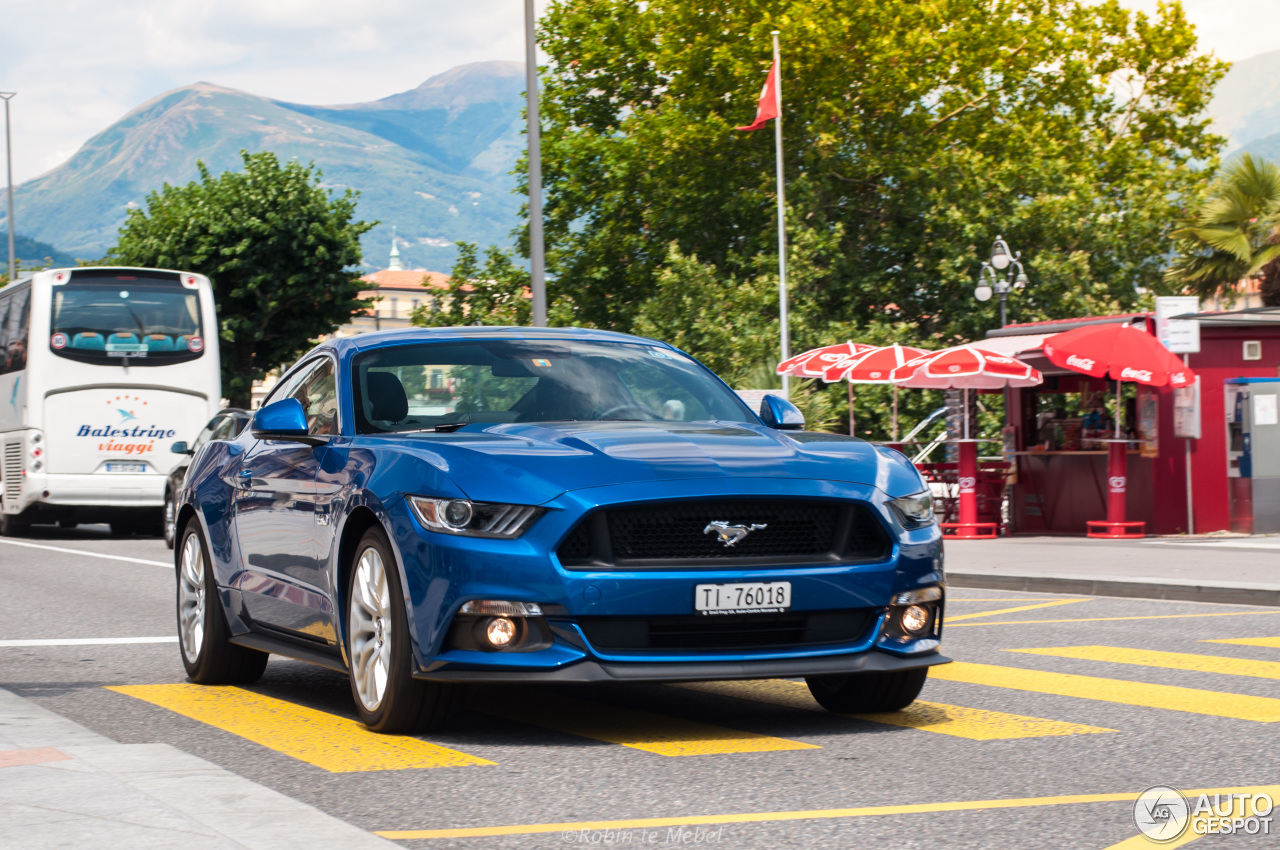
(318, 393)
(226, 429)
(205, 435)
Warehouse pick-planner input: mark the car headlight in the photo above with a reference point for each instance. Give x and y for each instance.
(474, 519)
(916, 509)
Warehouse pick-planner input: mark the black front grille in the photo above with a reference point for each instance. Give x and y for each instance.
(786, 531)
(711, 633)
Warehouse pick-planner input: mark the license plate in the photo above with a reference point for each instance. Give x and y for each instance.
(126, 466)
(746, 598)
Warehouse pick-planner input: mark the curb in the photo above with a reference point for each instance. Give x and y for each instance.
(1226, 593)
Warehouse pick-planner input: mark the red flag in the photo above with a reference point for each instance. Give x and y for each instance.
(768, 108)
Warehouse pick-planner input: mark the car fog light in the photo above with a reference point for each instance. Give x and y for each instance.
(915, 619)
(500, 631)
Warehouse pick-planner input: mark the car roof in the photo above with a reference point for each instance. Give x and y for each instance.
(342, 345)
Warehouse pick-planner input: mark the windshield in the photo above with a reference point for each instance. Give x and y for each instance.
(106, 318)
(446, 385)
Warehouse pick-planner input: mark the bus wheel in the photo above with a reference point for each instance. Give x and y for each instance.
(11, 526)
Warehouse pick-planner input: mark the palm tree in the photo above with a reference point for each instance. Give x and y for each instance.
(1234, 234)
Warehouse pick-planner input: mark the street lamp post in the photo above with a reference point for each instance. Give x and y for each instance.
(537, 261)
(8, 157)
(990, 281)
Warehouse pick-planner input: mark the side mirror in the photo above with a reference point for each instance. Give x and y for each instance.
(180, 448)
(781, 414)
(283, 420)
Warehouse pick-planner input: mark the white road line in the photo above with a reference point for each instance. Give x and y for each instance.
(85, 641)
(88, 554)
(1219, 544)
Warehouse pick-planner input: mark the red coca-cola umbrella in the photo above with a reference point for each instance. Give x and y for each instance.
(872, 367)
(1125, 353)
(966, 368)
(814, 362)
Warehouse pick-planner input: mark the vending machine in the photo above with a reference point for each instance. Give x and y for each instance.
(1253, 454)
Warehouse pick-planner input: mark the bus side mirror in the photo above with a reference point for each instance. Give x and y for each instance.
(180, 448)
(777, 412)
(283, 420)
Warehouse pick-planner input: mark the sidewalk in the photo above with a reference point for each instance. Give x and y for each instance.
(64, 786)
(1231, 570)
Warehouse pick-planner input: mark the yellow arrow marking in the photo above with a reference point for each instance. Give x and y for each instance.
(334, 743)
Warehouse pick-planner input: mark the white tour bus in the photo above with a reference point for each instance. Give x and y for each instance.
(101, 371)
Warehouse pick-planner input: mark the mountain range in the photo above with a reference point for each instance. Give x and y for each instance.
(1246, 106)
(432, 162)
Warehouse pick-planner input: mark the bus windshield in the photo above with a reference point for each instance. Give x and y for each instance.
(104, 318)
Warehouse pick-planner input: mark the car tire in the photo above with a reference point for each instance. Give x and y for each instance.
(862, 693)
(170, 518)
(203, 637)
(387, 697)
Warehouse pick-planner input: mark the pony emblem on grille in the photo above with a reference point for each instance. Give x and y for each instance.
(730, 534)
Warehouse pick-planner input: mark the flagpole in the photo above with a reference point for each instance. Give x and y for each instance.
(782, 220)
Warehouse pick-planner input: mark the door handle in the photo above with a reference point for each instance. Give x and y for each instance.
(245, 479)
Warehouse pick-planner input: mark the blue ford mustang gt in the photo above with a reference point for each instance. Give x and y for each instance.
(422, 509)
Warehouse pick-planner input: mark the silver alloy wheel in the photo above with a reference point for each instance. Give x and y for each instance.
(370, 624)
(191, 598)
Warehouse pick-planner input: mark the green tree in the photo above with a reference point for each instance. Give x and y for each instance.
(279, 250)
(1234, 233)
(915, 132)
(495, 293)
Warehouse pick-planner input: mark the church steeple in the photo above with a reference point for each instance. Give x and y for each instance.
(394, 264)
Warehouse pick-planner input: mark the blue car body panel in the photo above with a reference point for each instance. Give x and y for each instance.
(276, 516)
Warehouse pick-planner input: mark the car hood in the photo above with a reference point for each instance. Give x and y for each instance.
(534, 463)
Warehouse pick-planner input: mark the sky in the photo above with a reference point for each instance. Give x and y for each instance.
(80, 65)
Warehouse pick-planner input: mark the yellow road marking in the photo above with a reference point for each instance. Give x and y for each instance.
(811, 814)
(1200, 824)
(640, 730)
(334, 743)
(1238, 706)
(1269, 642)
(1167, 660)
(976, 724)
(1107, 619)
(952, 619)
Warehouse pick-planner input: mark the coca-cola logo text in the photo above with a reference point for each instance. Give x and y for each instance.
(1080, 362)
(1135, 374)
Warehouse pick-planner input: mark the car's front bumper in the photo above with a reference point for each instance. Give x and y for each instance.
(693, 671)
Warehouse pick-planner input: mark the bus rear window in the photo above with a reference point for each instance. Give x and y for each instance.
(110, 319)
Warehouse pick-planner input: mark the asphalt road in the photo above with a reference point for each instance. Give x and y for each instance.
(1083, 719)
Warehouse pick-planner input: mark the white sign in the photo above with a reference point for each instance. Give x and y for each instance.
(1186, 411)
(1264, 410)
(753, 398)
(1181, 336)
